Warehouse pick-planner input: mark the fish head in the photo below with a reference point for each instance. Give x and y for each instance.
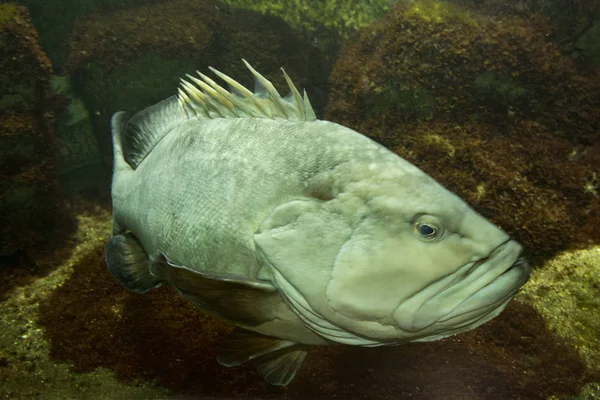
(387, 256)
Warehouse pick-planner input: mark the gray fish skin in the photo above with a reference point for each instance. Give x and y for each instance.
(297, 229)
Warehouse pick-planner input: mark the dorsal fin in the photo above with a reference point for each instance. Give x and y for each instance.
(204, 98)
(146, 128)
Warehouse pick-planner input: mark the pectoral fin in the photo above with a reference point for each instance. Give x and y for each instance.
(128, 262)
(237, 299)
(276, 360)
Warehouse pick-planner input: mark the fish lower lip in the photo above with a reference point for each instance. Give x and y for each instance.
(521, 262)
(493, 295)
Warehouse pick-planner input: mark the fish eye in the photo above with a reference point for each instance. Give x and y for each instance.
(428, 227)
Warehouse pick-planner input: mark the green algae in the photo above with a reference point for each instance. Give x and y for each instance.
(590, 391)
(566, 292)
(340, 16)
(433, 11)
(7, 11)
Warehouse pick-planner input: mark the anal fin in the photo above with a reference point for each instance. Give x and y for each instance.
(276, 360)
(128, 262)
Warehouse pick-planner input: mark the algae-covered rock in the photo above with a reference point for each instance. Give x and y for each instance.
(55, 20)
(503, 90)
(340, 16)
(78, 144)
(175, 28)
(28, 143)
(515, 122)
(569, 19)
(566, 292)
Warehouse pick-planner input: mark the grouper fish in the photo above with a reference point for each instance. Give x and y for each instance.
(298, 231)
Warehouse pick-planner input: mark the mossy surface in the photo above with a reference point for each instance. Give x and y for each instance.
(176, 29)
(566, 292)
(341, 16)
(8, 11)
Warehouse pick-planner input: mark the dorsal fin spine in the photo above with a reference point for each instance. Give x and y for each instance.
(212, 93)
(199, 101)
(232, 99)
(243, 90)
(196, 94)
(298, 102)
(310, 113)
(206, 98)
(273, 93)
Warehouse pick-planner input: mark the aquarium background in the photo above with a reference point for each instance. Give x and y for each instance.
(497, 100)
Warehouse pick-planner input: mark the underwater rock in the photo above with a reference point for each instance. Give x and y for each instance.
(571, 20)
(134, 57)
(178, 29)
(566, 292)
(499, 115)
(28, 144)
(54, 21)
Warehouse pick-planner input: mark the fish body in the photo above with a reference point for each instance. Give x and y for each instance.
(299, 231)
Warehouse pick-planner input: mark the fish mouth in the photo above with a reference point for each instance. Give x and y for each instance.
(493, 295)
(472, 295)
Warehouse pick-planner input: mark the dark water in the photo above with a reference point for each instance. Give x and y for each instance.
(497, 100)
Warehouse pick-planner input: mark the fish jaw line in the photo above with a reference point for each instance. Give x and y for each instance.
(441, 300)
